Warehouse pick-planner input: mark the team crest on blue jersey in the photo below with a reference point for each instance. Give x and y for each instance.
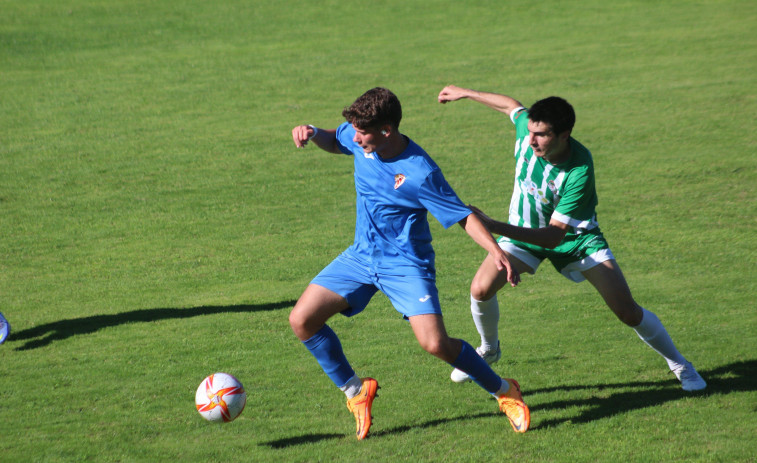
(399, 179)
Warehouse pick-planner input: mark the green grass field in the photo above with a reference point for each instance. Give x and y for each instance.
(158, 224)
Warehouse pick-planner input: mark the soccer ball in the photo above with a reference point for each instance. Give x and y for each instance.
(220, 398)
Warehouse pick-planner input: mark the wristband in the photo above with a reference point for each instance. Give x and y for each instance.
(315, 131)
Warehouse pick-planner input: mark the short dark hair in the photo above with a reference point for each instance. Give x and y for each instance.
(376, 107)
(554, 111)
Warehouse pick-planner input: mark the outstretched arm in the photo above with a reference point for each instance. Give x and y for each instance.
(547, 237)
(323, 139)
(476, 229)
(501, 103)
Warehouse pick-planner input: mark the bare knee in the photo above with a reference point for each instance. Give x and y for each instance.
(482, 291)
(434, 348)
(302, 326)
(630, 314)
(316, 305)
(442, 348)
(296, 322)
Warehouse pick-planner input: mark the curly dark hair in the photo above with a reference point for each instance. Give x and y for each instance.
(555, 111)
(376, 107)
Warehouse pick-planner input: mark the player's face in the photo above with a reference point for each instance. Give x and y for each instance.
(545, 142)
(369, 139)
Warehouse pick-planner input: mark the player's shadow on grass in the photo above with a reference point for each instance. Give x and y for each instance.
(43, 335)
(635, 395)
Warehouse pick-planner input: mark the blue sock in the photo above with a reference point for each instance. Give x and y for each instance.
(480, 372)
(327, 350)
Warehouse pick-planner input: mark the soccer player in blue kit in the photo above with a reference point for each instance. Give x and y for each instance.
(397, 184)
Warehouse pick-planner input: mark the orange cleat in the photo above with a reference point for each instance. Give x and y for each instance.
(361, 405)
(512, 405)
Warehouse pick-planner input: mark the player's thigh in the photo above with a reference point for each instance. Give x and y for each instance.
(349, 277)
(609, 281)
(316, 305)
(489, 279)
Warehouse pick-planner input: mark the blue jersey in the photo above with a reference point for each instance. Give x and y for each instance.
(392, 234)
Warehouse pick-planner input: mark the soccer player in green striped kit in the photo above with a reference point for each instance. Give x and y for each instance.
(552, 216)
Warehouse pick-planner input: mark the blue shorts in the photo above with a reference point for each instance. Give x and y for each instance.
(356, 282)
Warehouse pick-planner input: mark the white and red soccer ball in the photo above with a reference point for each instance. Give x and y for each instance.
(220, 398)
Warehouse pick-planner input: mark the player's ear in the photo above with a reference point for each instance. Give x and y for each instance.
(386, 130)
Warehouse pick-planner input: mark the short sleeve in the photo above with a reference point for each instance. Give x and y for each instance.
(576, 206)
(344, 137)
(517, 114)
(438, 197)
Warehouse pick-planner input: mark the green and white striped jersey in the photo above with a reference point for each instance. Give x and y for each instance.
(543, 191)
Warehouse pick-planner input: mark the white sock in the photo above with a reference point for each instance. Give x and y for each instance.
(486, 317)
(352, 387)
(502, 389)
(651, 331)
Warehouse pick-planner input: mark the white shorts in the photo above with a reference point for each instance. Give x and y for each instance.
(572, 271)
